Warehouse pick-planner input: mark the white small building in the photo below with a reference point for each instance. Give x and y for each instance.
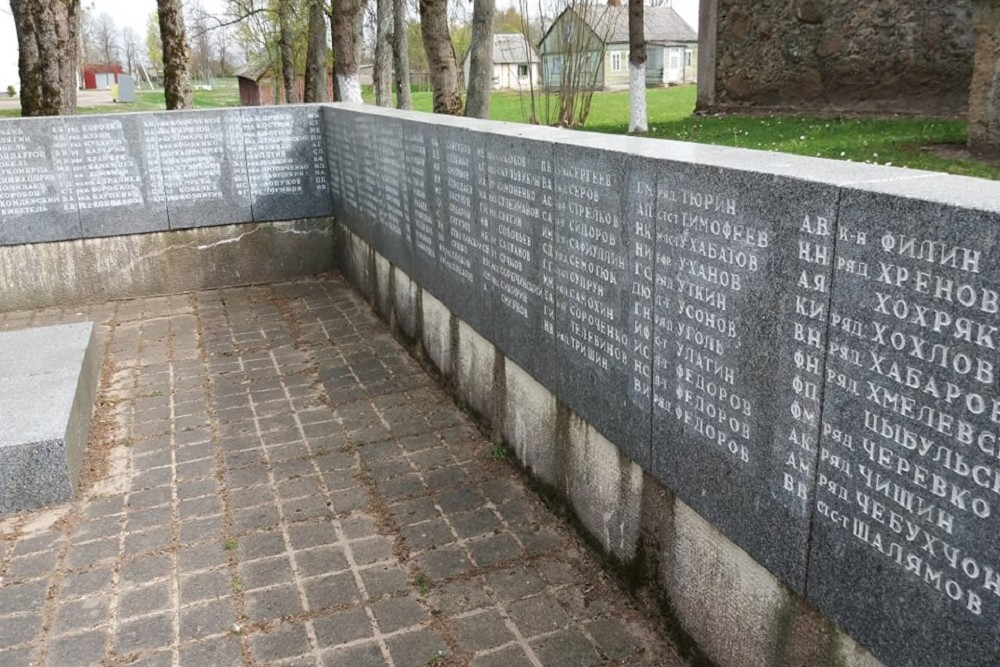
(515, 63)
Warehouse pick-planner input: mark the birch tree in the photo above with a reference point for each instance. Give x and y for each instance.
(441, 61)
(315, 84)
(637, 123)
(480, 83)
(401, 55)
(346, 42)
(382, 70)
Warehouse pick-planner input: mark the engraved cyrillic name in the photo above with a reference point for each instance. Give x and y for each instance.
(421, 201)
(515, 202)
(391, 178)
(910, 459)
(706, 255)
(105, 175)
(34, 177)
(459, 241)
(284, 157)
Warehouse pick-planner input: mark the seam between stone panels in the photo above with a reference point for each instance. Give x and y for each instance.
(811, 506)
(175, 522)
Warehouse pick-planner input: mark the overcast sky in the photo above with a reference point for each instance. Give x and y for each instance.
(134, 12)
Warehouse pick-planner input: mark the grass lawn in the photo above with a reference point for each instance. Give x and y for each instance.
(902, 142)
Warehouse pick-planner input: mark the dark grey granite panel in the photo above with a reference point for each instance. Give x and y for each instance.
(905, 551)
(200, 162)
(743, 266)
(601, 290)
(37, 201)
(286, 162)
(463, 235)
(422, 155)
(517, 204)
(389, 176)
(350, 148)
(117, 182)
(333, 121)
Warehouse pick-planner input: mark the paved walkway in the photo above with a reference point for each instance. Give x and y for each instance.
(271, 479)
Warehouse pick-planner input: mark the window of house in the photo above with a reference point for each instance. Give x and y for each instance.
(522, 70)
(687, 57)
(616, 61)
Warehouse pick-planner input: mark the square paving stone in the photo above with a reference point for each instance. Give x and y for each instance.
(80, 650)
(75, 584)
(19, 656)
(414, 511)
(147, 540)
(206, 619)
(494, 549)
(371, 550)
(349, 500)
(303, 536)
(273, 603)
(483, 631)
(342, 627)
(286, 641)
(384, 579)
(82, 555)
(320, 560)
(330, 591)
(433, 533)
(45, 541)
(216, 652)
(144, 633)
(461, 500)
(515, 582)
(475, 523)
(417, 648)
(362, 655)
(146, 519)
(444, 562)
(262, 517)
(82, 614)
(537, 615)
(198, 530)
(98, 528)
(145, 600)
(265, 572)
(566, 649)
(394, 614)
(208, 585)
(23, 597)
(145, 570)
(511, 656)
(614, 639)
(459, 596)
(19, 629)
(33, 565)
(260, 545)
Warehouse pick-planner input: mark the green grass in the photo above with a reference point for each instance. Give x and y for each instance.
(901, 142)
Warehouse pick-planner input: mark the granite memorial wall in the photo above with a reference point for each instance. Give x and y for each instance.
(804, 351)
(90, 176)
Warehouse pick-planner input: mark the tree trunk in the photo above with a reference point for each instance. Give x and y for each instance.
(440, 56)
(637, 122)
(984, 94)
(176, 67)
(315, 85)
(285, 50)
(382, 72)
(401, 55)
(345, 45)
(480, 83)
(47, 55)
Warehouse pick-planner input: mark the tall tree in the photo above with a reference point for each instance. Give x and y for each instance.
(637, 122)
(176, 69)
(401, 55)
(382, 71)
(154, 45)
(984, 94)
(47, 42)
(130, 49)
(480, 83)
(285, 50)
(346, 42)
(315, 84)
(441, 59)
(106, 37)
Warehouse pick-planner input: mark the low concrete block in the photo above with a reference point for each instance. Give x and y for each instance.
(530, 423)
(605, 488)
(405, 302)
(734, 609)
(48, 380)
(437, 333)
(383, 288)
(474, 370)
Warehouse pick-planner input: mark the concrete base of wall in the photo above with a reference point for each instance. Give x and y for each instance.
(103, 269)
(713, 594)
